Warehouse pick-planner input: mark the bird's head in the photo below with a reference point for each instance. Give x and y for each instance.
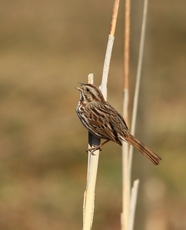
(89, 93)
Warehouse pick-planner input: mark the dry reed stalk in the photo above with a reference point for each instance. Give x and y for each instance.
(92, 167)
(138, 76)
(125, 149)
(130, 195)
(110, 43)
(89, 195)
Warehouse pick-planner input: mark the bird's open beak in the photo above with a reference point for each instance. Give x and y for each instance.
(80, 89)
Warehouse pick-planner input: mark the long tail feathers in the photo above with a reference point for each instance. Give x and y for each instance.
(148, 153)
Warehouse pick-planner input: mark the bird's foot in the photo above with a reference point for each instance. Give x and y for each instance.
(93, 149)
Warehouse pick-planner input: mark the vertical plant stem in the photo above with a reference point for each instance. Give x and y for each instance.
(134, 194)
(89, 195)
(126, 54)
(138, 77)
(131, 197)
(103, 86)
(125, 149)
(114, 17)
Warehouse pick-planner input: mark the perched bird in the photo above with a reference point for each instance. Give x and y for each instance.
(104, 122)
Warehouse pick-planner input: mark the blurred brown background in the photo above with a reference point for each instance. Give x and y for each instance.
(46, 47)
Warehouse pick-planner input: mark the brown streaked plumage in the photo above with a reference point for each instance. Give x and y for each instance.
(104, 122)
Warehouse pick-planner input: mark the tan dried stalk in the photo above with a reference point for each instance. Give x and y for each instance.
(130, 195)
(89, 195)
(125, 149)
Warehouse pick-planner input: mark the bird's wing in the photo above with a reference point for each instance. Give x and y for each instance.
(105, 122)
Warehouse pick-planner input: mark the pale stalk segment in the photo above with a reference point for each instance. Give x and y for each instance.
(89, 195)
(134, 191)
(133, 200)
(125, 148)
(103, 86)
(138, 76)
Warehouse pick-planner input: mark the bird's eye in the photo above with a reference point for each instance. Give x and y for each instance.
(87, 90)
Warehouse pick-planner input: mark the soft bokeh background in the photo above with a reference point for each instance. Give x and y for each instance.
(46, 47)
